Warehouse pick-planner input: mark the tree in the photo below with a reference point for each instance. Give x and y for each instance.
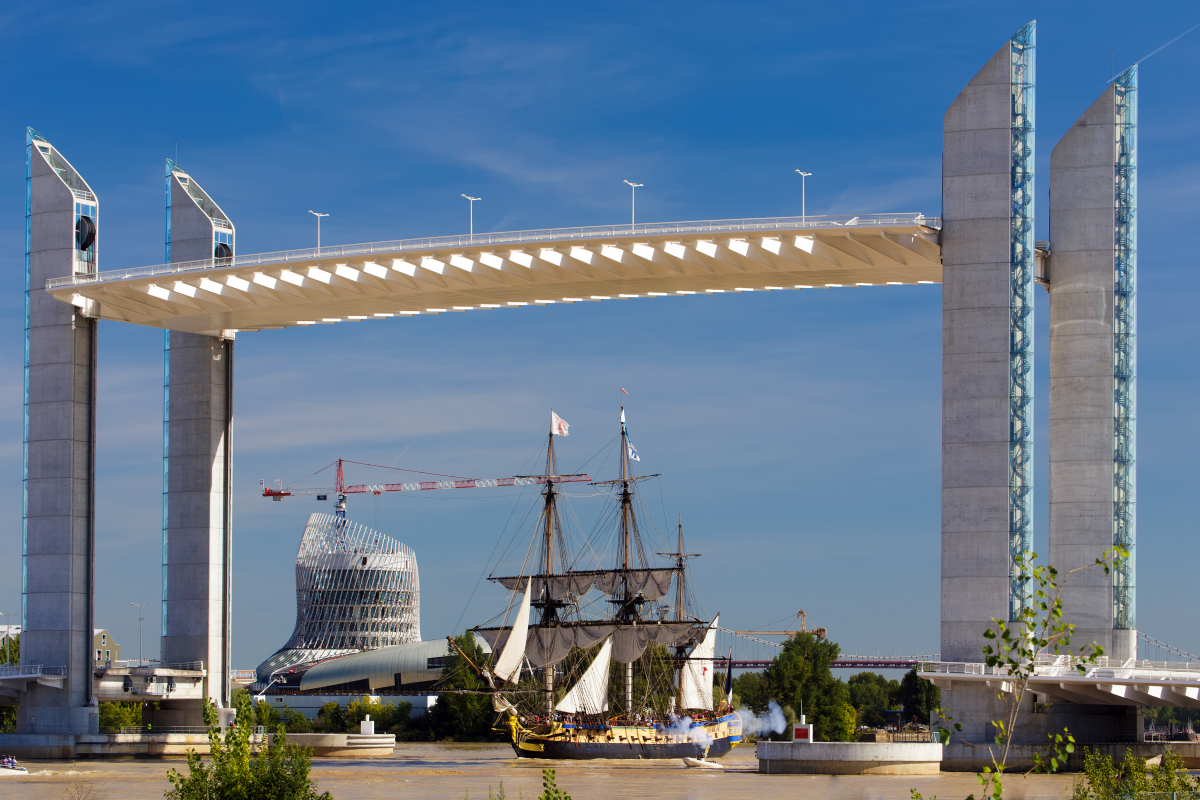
(462, 716)
(236, 770)
(120, 715)
(10, 653)
(800, 677)
(386, 716)
(872, 694)
(1105, 780)
(917, 697)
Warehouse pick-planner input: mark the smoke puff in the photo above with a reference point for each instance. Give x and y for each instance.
(765, 724)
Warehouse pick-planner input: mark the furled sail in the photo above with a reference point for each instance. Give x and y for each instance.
(509, 663)
(549, 645)
(590, 695)
(698, 671)
(650, 583)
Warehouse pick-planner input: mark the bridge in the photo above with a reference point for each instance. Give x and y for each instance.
(297, 288)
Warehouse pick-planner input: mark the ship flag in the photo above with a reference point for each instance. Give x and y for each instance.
(633, 456)
(558, 425)
(729, 677)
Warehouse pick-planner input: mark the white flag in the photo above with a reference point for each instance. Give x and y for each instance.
(622, 413)
(633, 456)
(558, 425)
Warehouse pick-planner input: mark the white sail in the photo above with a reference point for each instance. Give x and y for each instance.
(698, 671)
(508, 666)
(590, 695)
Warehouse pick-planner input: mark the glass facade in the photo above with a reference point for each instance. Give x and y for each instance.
(1125, 347)
(1023, 72)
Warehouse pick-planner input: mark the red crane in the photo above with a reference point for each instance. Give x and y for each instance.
(378, 488)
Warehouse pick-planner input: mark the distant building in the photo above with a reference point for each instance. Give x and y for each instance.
(105, 648)
(356, 589)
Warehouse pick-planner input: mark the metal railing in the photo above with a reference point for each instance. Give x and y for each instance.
(1067, 666)
(143, 730)
(30, 671)
(513, 237)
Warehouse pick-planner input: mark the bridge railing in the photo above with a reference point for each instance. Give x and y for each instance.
(509, 238)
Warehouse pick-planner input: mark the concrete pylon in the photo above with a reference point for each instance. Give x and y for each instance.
(197, 465)
(1093, 282)
(987, 346)
(61, 226)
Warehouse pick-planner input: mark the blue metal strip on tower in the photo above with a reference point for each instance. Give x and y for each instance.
(166, 425)
(1020, 461)
(1125, 349)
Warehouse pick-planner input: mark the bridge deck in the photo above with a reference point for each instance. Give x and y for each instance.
(497, 270)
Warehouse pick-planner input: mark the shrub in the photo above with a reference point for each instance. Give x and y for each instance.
(236, 771)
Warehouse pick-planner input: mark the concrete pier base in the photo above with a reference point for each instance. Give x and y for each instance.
(849, 758)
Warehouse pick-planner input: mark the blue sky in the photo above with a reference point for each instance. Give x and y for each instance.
(798, 433)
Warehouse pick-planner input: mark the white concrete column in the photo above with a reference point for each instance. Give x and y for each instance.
(197, 429)
(986, 495)
(60, 414)
(1085, 459)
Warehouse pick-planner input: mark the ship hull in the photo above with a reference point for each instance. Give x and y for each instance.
(710, 739)
(577, 750)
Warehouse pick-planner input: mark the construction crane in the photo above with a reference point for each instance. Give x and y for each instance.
(820, 633)
(341, 489)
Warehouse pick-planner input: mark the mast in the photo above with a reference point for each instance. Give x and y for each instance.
(549, 612)
(626, 503)
(679, 613)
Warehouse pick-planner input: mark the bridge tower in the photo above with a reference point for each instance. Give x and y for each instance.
(197, 464)
(58, 523)
(987, 346)
(1093, 360)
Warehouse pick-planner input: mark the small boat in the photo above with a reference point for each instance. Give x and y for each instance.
(551, 679)
(9, 768)
(701, 763)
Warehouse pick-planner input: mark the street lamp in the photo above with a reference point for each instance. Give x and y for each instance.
(803, 210)
(633, 187)
(140, 606)
(318, 216)
(471, 203)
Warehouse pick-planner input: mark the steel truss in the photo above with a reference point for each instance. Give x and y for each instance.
(1020, 453)
(1125, 347)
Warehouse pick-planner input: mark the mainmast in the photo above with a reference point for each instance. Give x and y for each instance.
(549, 607)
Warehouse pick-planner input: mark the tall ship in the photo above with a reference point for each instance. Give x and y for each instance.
(595, 656)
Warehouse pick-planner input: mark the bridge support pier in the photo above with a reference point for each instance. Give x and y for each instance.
(59, 533)
(1093, 356)
(987, 346)
(197, 468)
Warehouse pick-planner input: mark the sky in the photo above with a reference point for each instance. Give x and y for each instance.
(797, 433)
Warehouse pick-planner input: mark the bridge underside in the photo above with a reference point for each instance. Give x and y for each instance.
(356, 282)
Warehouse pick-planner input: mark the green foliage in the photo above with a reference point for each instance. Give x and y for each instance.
(386, 716)
(917, 697)
(10, 649)
(1012, 651)
(332, 717)
(498, 795)
(845, 728)
(800, 677)
(549, 790)
(277, 771)
(1103, 779)
(120, 715)
(462, 716)
(872, 694)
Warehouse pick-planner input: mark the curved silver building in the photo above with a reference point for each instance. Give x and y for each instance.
(356, 589)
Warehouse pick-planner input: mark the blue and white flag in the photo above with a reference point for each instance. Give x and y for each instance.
(633, 456)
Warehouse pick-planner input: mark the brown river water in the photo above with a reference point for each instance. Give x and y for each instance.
(455, 772)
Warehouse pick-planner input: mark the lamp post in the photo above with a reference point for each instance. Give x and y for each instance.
(803, 210)
(471, 203)
(633, 187)
(318, 216)
(141, 617)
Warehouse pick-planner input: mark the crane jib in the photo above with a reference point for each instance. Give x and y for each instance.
(469, 483)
